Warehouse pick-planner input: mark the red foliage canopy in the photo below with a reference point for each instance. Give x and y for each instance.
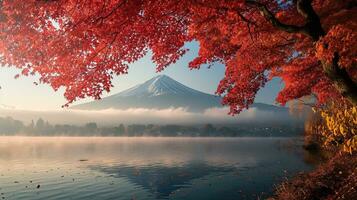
(81, 44)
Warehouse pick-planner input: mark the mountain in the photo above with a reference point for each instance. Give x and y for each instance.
(163, 92)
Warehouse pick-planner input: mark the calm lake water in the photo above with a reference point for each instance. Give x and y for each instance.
(146, 168)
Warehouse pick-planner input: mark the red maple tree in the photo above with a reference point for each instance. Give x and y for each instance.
(81, 44)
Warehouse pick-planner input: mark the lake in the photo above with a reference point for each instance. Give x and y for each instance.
(146, 168)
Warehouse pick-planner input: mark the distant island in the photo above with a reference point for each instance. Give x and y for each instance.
(12, 127)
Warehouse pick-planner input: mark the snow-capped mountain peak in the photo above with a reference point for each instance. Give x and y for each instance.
(159, 85)
(162, 92)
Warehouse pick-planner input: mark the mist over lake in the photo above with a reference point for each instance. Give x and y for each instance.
(159, 100)
(146, 168)
(178, 100)
(157, 140)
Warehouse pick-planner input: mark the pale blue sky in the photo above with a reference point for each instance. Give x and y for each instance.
(23, 94)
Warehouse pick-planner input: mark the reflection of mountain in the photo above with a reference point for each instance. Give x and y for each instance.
(163, 180)
(163, 92)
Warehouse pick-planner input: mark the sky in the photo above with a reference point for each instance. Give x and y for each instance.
(22, 93)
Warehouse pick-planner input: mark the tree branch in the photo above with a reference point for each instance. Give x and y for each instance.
(273, 20)
(305, 9)
(313, 26)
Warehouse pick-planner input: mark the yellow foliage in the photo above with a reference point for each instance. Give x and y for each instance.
(338, 126)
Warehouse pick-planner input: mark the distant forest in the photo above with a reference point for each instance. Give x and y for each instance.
(10, 127)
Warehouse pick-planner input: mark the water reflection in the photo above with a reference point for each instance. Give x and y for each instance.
(146, 168)
(162, 181)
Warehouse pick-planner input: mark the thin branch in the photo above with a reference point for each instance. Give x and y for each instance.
(102, 18)
(273, 20)
(245, 19)
(249, 22)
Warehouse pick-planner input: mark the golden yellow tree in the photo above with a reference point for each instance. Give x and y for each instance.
(338, 126)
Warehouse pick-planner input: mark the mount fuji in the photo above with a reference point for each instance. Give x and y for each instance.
(162, 92)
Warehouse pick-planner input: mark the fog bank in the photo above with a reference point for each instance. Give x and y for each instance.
(147, 116)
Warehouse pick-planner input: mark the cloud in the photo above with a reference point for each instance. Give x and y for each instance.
(139, 116)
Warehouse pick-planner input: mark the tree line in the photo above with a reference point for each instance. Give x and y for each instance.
(40, 127)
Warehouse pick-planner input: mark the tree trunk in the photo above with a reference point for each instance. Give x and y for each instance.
(313, 28)
(341, 79)
(338, 75)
